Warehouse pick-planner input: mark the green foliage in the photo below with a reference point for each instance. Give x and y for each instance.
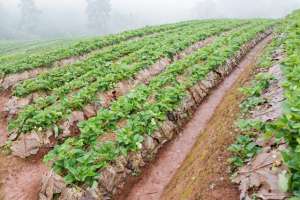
(258, 85)
(143, 116)
(243, 150)
(250, 103)
(266, 60)
(247, 125)
(254, 91)
(46, 58)
(288, 126)
(53, 108)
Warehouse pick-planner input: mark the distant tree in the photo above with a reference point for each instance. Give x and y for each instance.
(98, 12)
(29, 16)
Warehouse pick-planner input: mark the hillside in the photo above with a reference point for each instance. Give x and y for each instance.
(81, 119)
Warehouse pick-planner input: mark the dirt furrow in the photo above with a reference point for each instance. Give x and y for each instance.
(206, 161)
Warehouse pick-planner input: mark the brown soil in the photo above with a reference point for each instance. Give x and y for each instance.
(4, 97)
(203, 173)
(19, 179)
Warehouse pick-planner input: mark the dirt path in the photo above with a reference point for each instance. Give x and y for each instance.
(204, 171)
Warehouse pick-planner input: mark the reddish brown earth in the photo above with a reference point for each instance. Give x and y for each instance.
(4, 97)
(194, 165)
(19, 179)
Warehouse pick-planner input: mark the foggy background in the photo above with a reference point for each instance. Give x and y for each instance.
(39, 19)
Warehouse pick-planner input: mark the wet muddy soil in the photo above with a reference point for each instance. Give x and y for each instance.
(19, 179)
(194, 165)
(4, 97)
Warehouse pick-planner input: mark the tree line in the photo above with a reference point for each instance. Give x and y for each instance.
(97, 12)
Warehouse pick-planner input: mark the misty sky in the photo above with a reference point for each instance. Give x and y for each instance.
(68, 16)
(167, 10)
(154, 10)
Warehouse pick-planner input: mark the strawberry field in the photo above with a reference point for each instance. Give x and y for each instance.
(95, 112)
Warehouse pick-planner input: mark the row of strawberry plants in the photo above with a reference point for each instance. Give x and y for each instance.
(13, 56)
(259, 109)
(80, 158)
(83, 47)
(99, 62)
(287, 126)
(245, 147)
(35, 118)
